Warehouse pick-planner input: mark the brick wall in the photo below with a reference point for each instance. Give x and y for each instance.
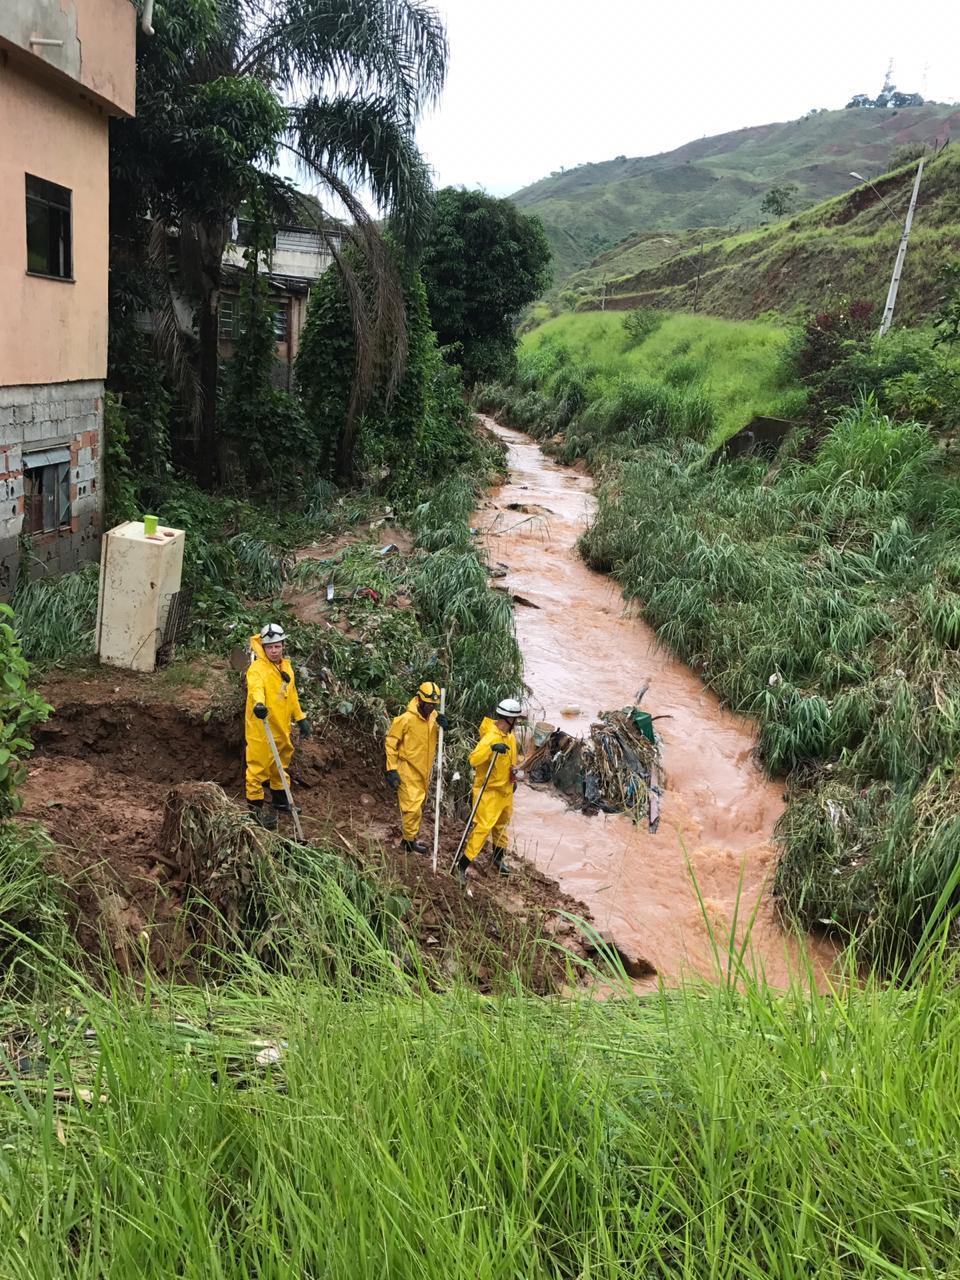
(60, 415)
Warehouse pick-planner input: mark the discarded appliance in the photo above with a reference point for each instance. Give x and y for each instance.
(140, 575)
(616, 769)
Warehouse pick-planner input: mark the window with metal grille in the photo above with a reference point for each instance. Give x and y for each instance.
(49, 229)
(46, 490)
(229, 327)
(231, 323)
(281, 321)
(299, 241)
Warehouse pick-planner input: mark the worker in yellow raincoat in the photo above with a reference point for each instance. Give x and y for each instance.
(493, 787)
(411, 750)
(271, 698)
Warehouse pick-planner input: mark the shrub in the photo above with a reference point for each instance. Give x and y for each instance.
(20, 710)
(640, 323)
(55, 617)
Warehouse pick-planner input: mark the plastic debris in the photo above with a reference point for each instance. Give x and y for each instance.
(617, 768)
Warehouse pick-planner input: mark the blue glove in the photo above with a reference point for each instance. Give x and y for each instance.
(442, 721)
(305, 727)
(260, 711)
(499, 748)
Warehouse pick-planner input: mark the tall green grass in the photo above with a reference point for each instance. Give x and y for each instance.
(734, 366)
(821, 598)
(700, 1133)
(55, 617)
(820, 605)
(33, 909)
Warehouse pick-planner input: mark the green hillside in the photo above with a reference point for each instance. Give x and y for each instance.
(843, 246)
(737, 367)
(720, 181)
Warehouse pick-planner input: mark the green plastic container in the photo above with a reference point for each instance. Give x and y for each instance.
(644, 722)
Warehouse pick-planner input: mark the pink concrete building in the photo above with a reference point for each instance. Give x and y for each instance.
(66, 67)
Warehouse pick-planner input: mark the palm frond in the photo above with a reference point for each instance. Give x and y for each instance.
(367, 142)
(393, 48)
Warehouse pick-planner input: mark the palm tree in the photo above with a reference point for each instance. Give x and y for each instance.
(224, 88)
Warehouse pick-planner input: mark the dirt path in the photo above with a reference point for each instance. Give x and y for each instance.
(582, 651)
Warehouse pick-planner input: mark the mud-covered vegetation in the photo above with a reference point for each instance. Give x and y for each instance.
(818, 595)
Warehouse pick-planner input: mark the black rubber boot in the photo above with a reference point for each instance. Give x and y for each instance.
(413, 846)
(499, 861)
(279, 801)
(263, 817)
(460, 870)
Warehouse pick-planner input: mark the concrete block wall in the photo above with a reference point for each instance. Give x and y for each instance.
(59, 415)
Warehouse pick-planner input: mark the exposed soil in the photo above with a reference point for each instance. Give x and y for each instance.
(117, 743)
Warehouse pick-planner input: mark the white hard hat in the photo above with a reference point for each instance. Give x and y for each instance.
(509, 709)
(273, 633)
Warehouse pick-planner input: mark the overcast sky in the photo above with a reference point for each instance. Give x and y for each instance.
(536, 84)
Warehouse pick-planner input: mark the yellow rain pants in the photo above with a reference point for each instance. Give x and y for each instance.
(265, 683)
(411, 749)
(496, 807)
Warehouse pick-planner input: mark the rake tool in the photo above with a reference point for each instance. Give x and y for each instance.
(297, 828)
(473, 813)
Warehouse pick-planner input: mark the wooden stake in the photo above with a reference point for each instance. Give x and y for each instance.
(436, 816)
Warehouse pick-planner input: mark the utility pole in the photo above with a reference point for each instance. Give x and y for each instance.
(603, 295)
(696, 291)
(887, 320)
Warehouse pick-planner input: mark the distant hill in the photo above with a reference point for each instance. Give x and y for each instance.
(720, 181)
(844, 246)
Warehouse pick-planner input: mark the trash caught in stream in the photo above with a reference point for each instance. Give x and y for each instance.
(616, 769)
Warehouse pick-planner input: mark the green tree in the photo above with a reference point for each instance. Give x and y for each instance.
(263, 430)
(780, 200)
(223, 87)
(325, 372)
(483, 262)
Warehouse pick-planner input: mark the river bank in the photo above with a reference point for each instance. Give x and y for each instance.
(667, 897)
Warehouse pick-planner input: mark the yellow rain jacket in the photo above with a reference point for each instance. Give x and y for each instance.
(411, 750)
(265, 683)
(496, 807)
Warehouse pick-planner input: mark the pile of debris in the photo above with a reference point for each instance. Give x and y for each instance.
(617, 769)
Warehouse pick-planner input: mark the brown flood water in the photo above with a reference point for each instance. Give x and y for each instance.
(582, 651)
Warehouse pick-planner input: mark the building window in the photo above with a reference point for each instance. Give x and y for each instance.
(49, 229)
(299, 241)
(231, 323)
(281, 321)
(228, 318)
(46, 490)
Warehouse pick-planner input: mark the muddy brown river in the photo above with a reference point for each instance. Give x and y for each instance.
(585, 653)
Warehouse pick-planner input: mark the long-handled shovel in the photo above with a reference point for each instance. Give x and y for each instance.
(436, 815)
(473, 813)
(297, 829)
